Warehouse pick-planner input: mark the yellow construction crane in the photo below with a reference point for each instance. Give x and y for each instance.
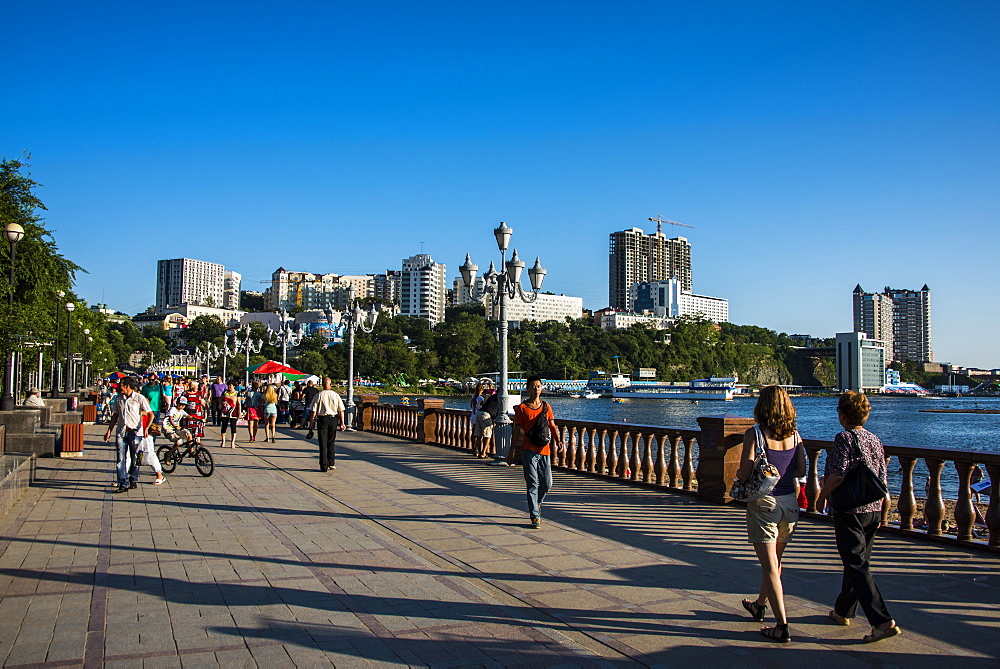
(660, 221)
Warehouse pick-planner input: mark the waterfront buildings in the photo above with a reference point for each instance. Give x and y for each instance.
(423, 290)
(188, 281)
(547, 307)
(669, 299)
(618, 319)
(637, 257)
(231, 282)
(861, 362)
(298, 291)
(899, 317)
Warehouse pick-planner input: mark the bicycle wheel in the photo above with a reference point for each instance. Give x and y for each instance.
(168, 458)
(203, 461)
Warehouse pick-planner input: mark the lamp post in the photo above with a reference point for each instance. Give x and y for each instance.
(69, 343)
(243, 341)
(352, 319)
(499, 287)
(286, 335)
(13, 233)
(86, 347)
(56, 381)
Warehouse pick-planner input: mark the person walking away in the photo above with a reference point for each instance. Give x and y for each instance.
(127, 413)
(153, 393)
(855, 528)
(195, 410)
(308, 395)
(771, 519)
(229, 410)
(218, 390)
(254, 407)
(327, 412)
(284, 397)
(270, 411)
(536, 457)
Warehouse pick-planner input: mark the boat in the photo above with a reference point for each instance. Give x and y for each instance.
(591, 395)
(624, 387)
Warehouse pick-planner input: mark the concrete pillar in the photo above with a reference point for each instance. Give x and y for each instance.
(427, 406)
(719, 455)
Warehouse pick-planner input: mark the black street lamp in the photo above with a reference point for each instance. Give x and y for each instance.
(69, 342)
(13, 233)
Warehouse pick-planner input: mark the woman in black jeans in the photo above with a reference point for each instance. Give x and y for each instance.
(855, 528)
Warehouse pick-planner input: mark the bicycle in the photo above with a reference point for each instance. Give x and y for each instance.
(171, 455)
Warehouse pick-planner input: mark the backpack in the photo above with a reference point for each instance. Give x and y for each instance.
(491, 406)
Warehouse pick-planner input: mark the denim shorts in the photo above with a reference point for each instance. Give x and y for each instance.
(772, 519)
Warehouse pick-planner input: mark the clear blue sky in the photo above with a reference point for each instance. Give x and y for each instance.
(813, 145)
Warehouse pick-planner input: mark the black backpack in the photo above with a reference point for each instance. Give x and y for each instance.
(492, 405)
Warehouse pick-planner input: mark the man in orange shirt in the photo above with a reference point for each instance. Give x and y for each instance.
(535, 456)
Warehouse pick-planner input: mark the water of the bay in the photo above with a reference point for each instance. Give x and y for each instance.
(896, 420)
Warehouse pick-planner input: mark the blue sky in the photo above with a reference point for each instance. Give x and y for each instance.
(813, 146)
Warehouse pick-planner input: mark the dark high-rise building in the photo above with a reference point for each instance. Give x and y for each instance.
(899, 317)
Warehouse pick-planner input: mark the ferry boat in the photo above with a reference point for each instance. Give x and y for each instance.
(621, 386)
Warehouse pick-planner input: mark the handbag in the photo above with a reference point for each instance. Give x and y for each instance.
(860, 486)
(539, 433)
(763, 477)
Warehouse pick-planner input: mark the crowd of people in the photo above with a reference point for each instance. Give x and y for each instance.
(136, 409)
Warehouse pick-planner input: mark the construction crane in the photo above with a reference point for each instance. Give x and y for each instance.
(660, 221)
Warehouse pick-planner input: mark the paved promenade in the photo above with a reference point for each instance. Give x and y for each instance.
(418, 555)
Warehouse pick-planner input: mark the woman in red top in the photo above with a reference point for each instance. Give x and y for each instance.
(536, 458)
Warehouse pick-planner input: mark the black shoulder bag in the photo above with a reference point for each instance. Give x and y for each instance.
(539, 433)
(860, 486)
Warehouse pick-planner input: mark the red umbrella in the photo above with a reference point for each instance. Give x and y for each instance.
(272, 367)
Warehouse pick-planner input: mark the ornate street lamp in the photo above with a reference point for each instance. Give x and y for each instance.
(499, 287)
(13, 233)
(351, 320)
(286, 335)
(69, 343)
(55, 350)
(243, 341)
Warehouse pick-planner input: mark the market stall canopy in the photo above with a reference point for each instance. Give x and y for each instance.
(272, 367)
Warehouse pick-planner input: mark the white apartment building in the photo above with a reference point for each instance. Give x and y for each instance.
(231, 282)
(547, 307)
(184, 280)
(192, 311)
(669, 299)
(861, 362)
(613, 319)
(423, 288)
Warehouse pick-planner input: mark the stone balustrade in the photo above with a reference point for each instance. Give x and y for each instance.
(703, 462)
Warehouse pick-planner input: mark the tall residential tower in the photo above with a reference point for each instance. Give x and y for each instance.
(640, 258)
(899, 317)
(186, 281)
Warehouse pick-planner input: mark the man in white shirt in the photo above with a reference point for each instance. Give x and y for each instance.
(327, 411)
(34, 398)
(127, 412)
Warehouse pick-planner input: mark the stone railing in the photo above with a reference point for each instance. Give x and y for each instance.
(905, 501)
(704, 461)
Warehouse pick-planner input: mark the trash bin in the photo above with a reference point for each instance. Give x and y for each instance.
(89, 413)
(72, 440)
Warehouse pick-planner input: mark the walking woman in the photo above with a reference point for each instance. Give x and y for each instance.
(855, 528)
(270, 416)
(254, 406)
(482, 423)
(771, 519)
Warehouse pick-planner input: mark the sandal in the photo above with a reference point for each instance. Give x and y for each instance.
(777, 633)
(756, 610)
(878, 635)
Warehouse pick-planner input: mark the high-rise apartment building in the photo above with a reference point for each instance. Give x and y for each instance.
(186, 281)
(423, 289)
(900, 318)
(636, 257)
(387, 287)
(231, 282)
